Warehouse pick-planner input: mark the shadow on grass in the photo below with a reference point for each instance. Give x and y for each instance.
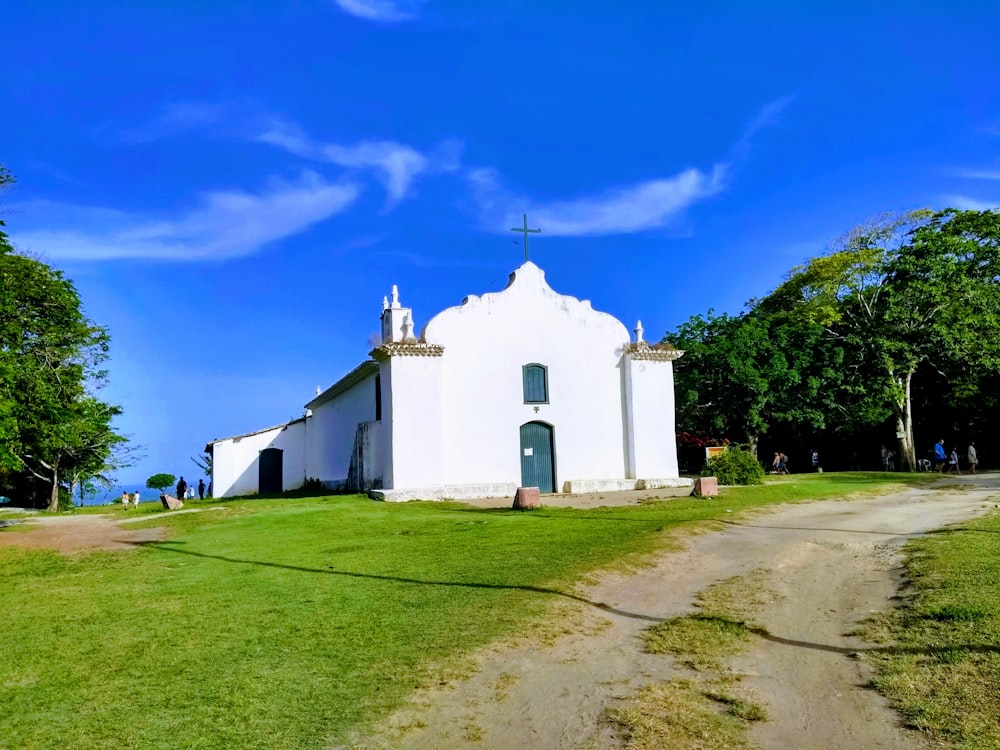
(170, 547)
(919, 650)
(811, 528)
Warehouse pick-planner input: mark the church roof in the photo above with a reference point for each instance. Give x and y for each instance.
(363, 371)
(208, 447)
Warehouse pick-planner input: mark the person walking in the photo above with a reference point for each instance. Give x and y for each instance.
(953, 462)
(125, 500)
(940, 457)
(135, 499)
(182, 487)
(973, 457)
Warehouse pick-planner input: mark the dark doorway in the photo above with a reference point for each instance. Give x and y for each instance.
(537, 465)
(269, 471)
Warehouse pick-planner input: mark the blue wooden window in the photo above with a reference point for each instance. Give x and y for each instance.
(536, 384)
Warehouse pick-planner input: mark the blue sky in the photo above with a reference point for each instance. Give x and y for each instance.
(234, 186)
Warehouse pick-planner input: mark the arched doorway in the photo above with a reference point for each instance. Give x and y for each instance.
(537, 456)
(269, 471)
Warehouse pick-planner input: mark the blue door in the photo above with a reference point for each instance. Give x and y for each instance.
(537, 466)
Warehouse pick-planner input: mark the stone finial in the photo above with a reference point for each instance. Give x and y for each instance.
(395, 296)
(407, 327)
(638, 332)
(385, 304)
(319, 390)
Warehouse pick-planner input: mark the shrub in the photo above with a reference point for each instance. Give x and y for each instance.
(734, 466)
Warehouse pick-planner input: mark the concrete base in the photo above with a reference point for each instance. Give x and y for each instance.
(527, 498)
(705, 487)
(448, 492)
(577, 486)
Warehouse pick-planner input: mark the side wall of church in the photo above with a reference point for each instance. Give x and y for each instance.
(487, 341)
(412, 440)
(333, 429)
(236, 461)
(650, 402)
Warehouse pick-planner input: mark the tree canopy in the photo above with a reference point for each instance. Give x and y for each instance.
(837, 345)
(54, 430)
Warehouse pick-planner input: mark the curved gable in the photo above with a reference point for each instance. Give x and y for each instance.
(526, 305)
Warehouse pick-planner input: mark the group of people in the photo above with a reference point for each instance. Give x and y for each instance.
(186, 492)
(779, 464)
(130, 497)
(948, 462)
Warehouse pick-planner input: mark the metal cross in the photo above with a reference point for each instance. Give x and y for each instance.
(524, 230)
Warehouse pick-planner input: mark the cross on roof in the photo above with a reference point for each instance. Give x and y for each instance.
(524, 230)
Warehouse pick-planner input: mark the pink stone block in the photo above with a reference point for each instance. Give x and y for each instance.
(170, 502)
(527, 498)
(706, 487)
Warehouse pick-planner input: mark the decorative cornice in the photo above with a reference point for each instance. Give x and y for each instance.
(407, 348)
(640, 350)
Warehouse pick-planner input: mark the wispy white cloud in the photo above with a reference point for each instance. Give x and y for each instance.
(643, 206)
(380, 10)
(396, 164)
(225, 225)
(970, 204)
(978, 174)
(623, 210)
(182, 117)
(769, 116)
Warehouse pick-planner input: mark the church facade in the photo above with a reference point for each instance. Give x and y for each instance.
(522, 387)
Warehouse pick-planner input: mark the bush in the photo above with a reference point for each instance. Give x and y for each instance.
(734, 466)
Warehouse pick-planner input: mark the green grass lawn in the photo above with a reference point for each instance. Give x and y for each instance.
(941, 664)
(288, 623)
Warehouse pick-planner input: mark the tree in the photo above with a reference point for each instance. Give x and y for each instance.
(900, 293)
(160, 481)
(52, 424)
(742, 374)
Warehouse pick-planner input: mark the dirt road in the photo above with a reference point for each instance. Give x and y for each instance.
(830, 565)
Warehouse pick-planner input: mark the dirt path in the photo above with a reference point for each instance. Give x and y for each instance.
(831, 564)
(71, 534)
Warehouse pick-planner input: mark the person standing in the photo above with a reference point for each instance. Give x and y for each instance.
(201, 489)
(940, 457)
(973, 457)
(182, 486)
(135, 499)
(814, 457)
(125, 500)
(885, 458)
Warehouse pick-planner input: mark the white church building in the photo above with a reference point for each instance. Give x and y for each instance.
(522, 387)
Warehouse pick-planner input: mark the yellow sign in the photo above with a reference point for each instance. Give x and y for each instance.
(711, 451)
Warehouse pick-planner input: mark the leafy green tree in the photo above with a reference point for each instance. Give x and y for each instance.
(901, 293)
(52, 424)
(161, 481)
(740, 375)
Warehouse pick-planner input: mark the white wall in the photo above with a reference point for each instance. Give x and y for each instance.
(413, 432)
(486, 342)
(650, 394)
(334, 425)
(236, 461)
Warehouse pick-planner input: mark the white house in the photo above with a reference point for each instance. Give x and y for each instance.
(522, 387)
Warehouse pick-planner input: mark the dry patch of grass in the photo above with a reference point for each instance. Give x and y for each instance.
(681, 714)
(706, 710)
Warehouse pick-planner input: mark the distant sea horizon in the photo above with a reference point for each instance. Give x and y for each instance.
(114, 494)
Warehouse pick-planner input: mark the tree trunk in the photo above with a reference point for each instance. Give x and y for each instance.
(904, 426)
(752, 439)
(54, 498)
